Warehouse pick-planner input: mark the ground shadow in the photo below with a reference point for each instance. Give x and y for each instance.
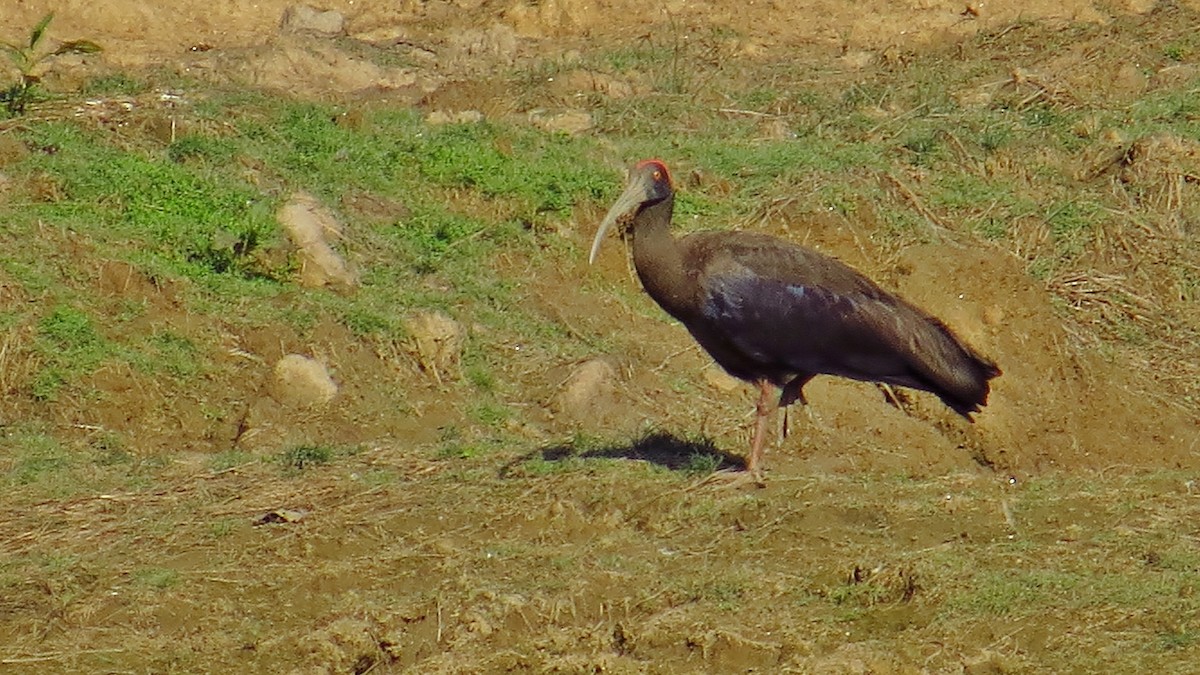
(699, 455)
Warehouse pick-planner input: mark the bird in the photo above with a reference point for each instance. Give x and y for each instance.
(776, 314)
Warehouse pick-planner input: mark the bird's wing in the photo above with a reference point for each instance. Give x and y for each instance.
(773, 258)
(791, 309)
(788, 326)
(772, 308)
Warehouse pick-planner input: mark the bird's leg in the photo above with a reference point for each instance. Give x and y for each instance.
(793, 392)
(762, 416)
(753, 470)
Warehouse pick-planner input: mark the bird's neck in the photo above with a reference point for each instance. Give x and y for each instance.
(659, 259)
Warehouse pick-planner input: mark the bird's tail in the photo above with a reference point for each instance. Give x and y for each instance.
(956, 373)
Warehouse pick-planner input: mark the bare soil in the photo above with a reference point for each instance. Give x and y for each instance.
(532, 572)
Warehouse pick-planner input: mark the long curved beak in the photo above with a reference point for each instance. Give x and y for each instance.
(636, 192)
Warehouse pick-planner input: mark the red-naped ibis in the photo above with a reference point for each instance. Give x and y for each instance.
(776, 314)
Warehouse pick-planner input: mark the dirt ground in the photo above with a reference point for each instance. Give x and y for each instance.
(1052, 398)
(153, 33)
(1055, 408)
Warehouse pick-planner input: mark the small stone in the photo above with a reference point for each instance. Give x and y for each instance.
(586, 390)
(439, 342)
(310, 225)
(305, 19)
(571, 122)
(993, 315)
(302, 382)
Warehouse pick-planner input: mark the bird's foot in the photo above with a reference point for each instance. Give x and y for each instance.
(732, 478)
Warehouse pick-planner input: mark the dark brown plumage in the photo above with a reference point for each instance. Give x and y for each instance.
(776, 314)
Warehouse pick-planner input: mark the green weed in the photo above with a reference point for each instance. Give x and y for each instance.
(1182, 638)
(303, 457)
(992, 139)
(165, 352)
(70, 346)
(110, 450)
(481, 377)
(363, 321)
(459, 448)
(27, 57)
(68, 329)
(114, 84)
(924, 146)
(198, 224)
(724, 593)
(196, 147)
(542, 173)
(701, 464)
(1072, 224)
(229, 459)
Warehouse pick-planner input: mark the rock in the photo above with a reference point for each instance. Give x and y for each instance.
(306, 68)
(438, 341)
(301, 382)
(584, 81)
(309, 224)
(546, 18)
(857, 59)
(570, 122)
(586, 391)
(470, 48)
(440, 117)
(305, 19)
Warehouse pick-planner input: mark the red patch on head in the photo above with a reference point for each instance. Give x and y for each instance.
(656, 165)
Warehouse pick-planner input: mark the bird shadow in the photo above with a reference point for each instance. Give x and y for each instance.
(685, 455)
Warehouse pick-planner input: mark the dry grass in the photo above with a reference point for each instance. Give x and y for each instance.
(445, 520)
(597, 564)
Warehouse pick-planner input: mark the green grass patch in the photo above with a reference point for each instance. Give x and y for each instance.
(195, 223)
(159, 578)
(69, 346)
(202, 148)
(114, 84)
(304, 457)
(37, 457)
(229, 459)
(166, 352)
(701, 464)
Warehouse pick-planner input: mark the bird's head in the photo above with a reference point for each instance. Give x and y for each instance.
(649, 183)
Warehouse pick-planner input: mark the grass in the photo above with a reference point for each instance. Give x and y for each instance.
(138, 425)
(156, 577)
(304, 457)
(69, 346)
(28, 58)
(40, 457)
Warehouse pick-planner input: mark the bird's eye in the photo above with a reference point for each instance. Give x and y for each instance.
(657, 175)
